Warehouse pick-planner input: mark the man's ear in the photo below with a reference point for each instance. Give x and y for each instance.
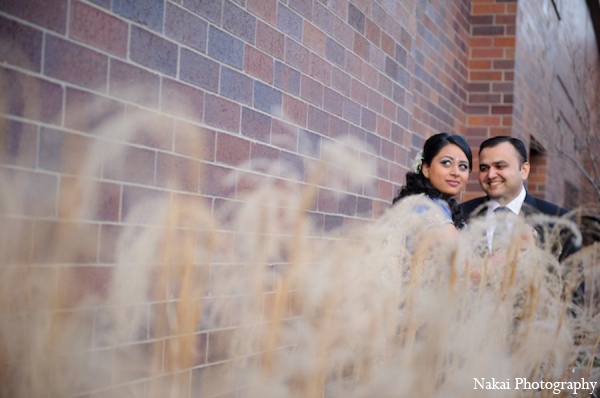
(525, 168)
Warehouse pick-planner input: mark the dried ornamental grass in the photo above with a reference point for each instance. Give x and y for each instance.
(372, 309)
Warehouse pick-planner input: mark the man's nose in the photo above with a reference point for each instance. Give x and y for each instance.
(491, 173)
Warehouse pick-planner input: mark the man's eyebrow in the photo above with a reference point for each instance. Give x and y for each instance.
(498, 163)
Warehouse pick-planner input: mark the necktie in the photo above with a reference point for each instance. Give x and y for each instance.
(500, 209)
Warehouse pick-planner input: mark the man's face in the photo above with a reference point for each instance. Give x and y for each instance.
(500, 174)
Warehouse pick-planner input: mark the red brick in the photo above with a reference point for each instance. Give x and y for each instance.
(485, 98)
(297, 56)
(222, 113)
(270, 40)
(338, 128)
(508, 19)
(477, 110)
(30, 97)
(81, 282)
(75, 64)
(148, 128)
(389, 109)
(388, 45)
(385, 190)
(51, 14)
(185, 27)
(503, 87)
(343, 33)
(504, 41)
(502, 110)
(354, 65)
(47, 249)
(195, 141)
(232, 150)
(485, 76)
(504, 64)
(479, 41)
(134, 197)
(153, 50)
(341, 81)
(314, 39)
(126, 163)
(102, 199)
(487, 53)
(320, 69)
(361, 46)
(480, 64)
(256, 125)
(372, 32)
(260, 153)
(21, 45)
(213, 181)
(88, 112)
(327, 200)
(371, 77)
(333, 101)
(258, 64)
(384, 127)
(64, 152)
(311, 91)
(284, 135)
(264, 9)
(487, 9)
(109, 238)
(507, 121)
(20, 144)
(177, 172)
(98, 29)
(496, 131)
(483, 121)
(29, 184)
(359, 92)
(135, 84)
(182, 100)
(318, 120)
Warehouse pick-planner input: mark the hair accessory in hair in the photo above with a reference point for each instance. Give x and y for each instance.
(418, 162)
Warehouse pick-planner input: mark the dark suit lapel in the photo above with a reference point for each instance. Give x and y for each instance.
(479, 208)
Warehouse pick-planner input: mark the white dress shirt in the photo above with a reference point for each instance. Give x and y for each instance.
(514, 207)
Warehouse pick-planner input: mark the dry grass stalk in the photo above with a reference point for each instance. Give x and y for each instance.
(368, 310)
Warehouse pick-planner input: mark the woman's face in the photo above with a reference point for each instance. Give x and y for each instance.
(449, 170)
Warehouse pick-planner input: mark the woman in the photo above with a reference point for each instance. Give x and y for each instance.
(425, 217)
(440, 172)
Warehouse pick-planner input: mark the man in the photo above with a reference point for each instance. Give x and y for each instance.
(503, 169)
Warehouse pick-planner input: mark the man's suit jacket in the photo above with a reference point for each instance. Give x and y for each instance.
(531, 205)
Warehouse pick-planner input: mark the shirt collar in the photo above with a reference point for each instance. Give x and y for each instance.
(514, 206)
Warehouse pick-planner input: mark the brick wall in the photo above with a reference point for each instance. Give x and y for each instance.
(256, 79)
(547, 98)
(491, 64)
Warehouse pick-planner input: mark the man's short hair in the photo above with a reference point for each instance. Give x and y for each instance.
(515, 142)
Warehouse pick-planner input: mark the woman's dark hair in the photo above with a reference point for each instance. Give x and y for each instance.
(417, 183)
